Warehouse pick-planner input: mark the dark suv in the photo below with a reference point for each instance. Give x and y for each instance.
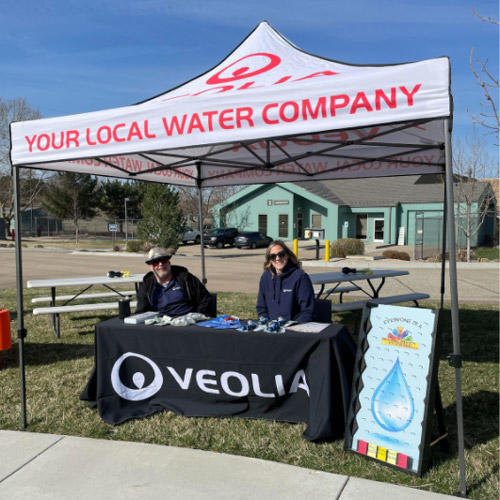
(220, 237)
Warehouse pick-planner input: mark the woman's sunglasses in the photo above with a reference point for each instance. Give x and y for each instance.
(274, 256)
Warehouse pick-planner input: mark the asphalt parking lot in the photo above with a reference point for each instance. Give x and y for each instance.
(235, 270)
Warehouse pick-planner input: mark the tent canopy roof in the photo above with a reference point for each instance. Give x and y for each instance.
(269, 112)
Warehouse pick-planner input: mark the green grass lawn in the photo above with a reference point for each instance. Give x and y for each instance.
(491, 253)
(57, 370)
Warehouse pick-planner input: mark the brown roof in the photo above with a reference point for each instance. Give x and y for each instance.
(386, 191)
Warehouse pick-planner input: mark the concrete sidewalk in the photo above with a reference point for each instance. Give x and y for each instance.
(47, 466)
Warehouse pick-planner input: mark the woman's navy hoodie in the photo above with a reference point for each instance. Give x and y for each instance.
(289, 294)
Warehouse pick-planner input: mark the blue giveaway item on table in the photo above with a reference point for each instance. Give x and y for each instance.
(248, 327)
(274, 327)
(220, 322)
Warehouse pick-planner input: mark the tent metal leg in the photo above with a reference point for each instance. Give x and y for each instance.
(202, 239)
(443, 253)
(21, 332)
(455, 359)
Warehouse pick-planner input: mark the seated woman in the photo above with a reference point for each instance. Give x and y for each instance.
(285, 290)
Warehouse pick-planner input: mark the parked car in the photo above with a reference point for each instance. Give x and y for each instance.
(220, 237)
(191, 235)
(252, 240)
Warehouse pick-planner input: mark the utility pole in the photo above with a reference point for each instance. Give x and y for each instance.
(126, 223)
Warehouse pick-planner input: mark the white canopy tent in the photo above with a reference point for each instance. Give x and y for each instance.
(268, 113)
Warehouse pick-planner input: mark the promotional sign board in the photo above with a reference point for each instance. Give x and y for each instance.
(393, 386)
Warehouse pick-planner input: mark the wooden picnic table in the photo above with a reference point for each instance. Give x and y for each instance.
(356, 280)
(86, 282)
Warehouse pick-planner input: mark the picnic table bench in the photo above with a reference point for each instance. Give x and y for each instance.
(87, 283)
(392, 299)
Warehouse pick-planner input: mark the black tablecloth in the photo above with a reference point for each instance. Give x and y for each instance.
(196, 371)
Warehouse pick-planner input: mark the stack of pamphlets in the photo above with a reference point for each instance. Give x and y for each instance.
(136, 319)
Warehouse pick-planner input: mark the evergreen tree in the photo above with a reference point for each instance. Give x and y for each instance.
(112, 202)
(72, 196)
(162, 219)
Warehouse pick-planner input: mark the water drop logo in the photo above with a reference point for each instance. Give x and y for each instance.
(392, 402)
(138, 379)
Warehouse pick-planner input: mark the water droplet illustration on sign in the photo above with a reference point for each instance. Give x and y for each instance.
(392, 402)
(138, 379)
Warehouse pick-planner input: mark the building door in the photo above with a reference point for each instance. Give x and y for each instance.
(378, 229)
(263, 223)
(361, 226)
(300, 234)
(283, 225)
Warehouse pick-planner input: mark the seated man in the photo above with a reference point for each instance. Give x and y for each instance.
(171, 290)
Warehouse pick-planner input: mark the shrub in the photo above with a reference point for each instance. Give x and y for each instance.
(347, 246)
(134, 245)
(462, 255)
(116, 248)
(395, 254)
(146, 246)
(403, 256)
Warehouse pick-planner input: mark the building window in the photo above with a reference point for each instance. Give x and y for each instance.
(283, 225)
(316, 221)
(378, 230)
(263, 223)
(361, 225)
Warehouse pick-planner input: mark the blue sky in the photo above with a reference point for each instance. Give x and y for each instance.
(70, 57)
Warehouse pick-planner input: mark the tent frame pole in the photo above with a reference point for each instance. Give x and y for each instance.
(455, 359)
(443, 252)
(200, 223)
(21, 331)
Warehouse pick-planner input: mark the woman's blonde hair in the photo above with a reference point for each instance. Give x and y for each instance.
(291, 256)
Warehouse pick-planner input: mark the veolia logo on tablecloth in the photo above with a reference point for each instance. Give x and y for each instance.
(138, 379)
(231, 383)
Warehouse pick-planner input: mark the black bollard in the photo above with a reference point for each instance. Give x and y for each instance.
(317, 249)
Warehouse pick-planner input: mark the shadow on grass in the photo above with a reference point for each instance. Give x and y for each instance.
(478, 334)
(477, 484)
(480, 417)
(480, 425)
(36, 354)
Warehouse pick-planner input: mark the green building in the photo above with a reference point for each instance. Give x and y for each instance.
(389, 210)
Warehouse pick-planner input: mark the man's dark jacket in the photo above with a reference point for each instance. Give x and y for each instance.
(195, 292)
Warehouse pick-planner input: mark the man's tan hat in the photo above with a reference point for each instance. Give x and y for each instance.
(157, 253)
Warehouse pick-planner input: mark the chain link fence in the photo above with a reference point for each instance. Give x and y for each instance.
(41, 226)
(429, 233)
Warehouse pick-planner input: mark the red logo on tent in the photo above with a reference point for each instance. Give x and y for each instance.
(245, 71)
(246, 68)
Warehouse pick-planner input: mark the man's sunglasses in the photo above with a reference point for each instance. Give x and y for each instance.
(274, 256)
(158, 261)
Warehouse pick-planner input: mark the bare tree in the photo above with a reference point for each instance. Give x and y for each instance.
(236, 218)
(188, 200)
(488, 117)
(31, 183)
(474, 199)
